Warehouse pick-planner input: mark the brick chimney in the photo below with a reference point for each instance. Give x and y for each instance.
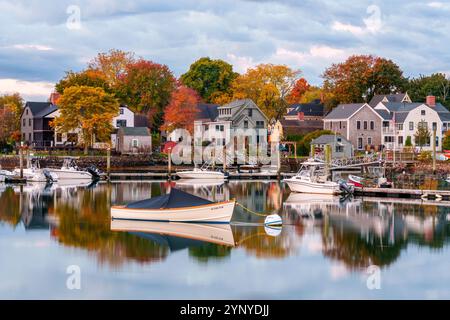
(54, 97)
(431, 101)
(301, 116)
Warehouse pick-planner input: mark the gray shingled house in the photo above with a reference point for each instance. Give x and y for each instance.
(134, 140)
(340, 147)
(35, 124)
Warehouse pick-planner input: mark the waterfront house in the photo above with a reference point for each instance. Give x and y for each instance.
(313, 110)
(340, 147)
(217, 124)
(35, 124)
(134, 140)
(359, 123)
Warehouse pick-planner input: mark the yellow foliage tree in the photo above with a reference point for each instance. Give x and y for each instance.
(88, 109)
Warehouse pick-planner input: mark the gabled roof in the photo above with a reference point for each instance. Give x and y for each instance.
(343, 111)
(241, 104)
(46, 111)
(398, 97)
(135, 131)
(314, 108)
(386, 115)
(444, 116)
(36, 107)
(207, 111)
(328, 138)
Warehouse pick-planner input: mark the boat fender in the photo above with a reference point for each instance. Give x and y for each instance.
(424, 196)
(438, 197)
(273, 220)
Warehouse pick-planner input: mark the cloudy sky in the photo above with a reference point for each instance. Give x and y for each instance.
(40, 39)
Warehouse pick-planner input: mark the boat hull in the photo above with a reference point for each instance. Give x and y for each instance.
(220, 212)
(302, 186)
(71, 174)
(200, 174)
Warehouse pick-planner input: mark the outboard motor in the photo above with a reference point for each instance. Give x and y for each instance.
(345, 187)
(48, 176)
(94, 171)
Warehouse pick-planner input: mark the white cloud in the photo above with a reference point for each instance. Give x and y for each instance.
(37, 47)
(373, 23)
(355, 30)
(240, 64)
(437, 5)
(26, 88)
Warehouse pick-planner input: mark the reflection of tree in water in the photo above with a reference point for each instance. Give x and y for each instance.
(209, 251)
(10, 207)
(85, 224)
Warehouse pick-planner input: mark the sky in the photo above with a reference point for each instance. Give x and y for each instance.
(41, 39)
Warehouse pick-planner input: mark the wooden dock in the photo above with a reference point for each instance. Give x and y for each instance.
(404, 193)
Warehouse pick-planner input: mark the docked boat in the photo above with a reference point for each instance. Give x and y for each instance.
(70, 170)
(176, 206)
(356, 181)
(201, 173)
(5, 175)
(310, 179)
(34, 173)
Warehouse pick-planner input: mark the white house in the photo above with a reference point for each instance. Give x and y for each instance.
(401, 120)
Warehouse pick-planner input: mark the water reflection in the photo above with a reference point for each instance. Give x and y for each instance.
(356, 232)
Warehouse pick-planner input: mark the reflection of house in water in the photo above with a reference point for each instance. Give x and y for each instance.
(209, 189)
(34, 203)
(367, 231)
(128, 192)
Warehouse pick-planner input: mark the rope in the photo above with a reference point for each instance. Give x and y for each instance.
(251, 211)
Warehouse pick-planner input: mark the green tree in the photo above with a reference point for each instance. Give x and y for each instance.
(210, 78)
(89, 109)
(436, 84)
(304, 146)
(446, 141)
(422, 135)
(408, 142)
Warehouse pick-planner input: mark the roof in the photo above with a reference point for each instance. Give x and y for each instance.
(36, 107)
(237, 103)
(174, 199)
(140, 120)
(386, 115)
(314, 108)
(344, 111)
(207, 111)
(134, 131)
(376, 99)
(328, 138)
(445, 116)
(297, 126)
(46, 111)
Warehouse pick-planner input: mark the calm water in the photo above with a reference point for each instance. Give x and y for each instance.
(323, 250)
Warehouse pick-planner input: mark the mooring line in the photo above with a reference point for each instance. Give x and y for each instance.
(251, 211)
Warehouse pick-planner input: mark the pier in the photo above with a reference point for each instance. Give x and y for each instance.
(403, 193)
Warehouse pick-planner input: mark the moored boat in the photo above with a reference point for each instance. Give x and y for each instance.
(355, 180)
(70, 170)
(200, 173)
(176, 206)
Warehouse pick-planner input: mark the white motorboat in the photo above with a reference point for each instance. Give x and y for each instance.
(176, 206)
(34, 173)
(200, 173)
(70, 170)
(213, 233)
(309, 179)
(5, 174)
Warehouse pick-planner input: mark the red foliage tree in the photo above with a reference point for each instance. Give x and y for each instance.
(297, 92)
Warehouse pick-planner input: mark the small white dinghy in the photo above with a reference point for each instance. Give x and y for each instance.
(176, 206)
(201, 174)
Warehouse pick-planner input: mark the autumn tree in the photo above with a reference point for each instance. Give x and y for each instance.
(297, 92)
(210, 78)
(268, 86)
(360, 77)
(147, 87)
(89, 109)
(437, 84)
(88, 77)
(181, 111)
(11, 106)
(112, 64)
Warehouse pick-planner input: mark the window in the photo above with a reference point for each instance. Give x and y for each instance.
(121, 123)
(369, 141)
(399, 126)
(245, 124)
(372, 125)
(250, 112)
(26, 112)
(23, 136)
(360, 143)
(422, 112)
(29, 122)
(434, 126)
(400, 140)
(365, 125)
(219, 128)
(24, 122)
(340, 124)
(135, 143)
(358, 125)
(29, 137)
(422, 124)
(411, 126)
(260, 124)
(339, 149)
(388, 139)
(59, 137)
(121, 110)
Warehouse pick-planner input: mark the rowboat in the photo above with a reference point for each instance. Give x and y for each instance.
(201, 173)
(176, 206)
(355, 180)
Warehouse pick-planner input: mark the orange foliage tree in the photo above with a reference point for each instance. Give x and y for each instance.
(301, 86)
(181, 111)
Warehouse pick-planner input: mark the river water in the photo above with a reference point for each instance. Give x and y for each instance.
(328, 248)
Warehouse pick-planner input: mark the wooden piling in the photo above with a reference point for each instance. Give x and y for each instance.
(108, 162)
(21, 160)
